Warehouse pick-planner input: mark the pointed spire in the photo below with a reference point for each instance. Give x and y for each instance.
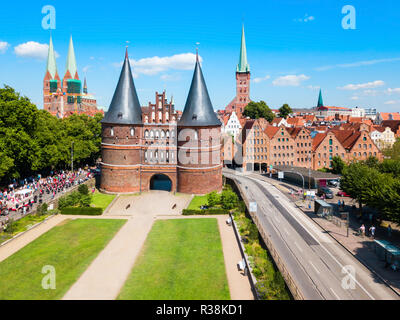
(198, 109)
(320, 102)
(172, 100)
(71, 61)
(243, 66)
(125, 107)
(51, 60)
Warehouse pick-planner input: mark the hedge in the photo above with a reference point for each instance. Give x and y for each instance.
(89, 211)
(190, 212)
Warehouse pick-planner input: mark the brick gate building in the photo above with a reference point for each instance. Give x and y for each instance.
(142, 146)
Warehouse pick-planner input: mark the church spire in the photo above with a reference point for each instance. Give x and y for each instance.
(51, 60)
(243, 66)
(198, 109)
(320, 102)
(125, 107)
(71, 61)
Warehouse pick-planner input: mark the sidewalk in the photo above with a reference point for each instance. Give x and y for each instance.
(361, 247)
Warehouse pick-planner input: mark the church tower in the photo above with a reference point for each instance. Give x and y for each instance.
(51, 81)
(242, 78)
(242, 97)
(199, 168)
(121, 147)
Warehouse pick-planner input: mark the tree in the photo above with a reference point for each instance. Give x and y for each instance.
(213, 199)
(337, 165)
(284, 111)
(256, 110)
(372, 162)
(393, 152)
(229, 199)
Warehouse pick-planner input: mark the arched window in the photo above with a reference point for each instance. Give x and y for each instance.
(146, 119)
(151, 133)
(132, 132)
(167, 116)
(157, 134)
(153, 116)
(146, 133)
(167, 132)
(162, 134)
(112, 132)
(160, 116)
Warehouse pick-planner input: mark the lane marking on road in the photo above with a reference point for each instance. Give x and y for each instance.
(315, 268)
(298, 247)
(333, 257)
(337, 297)
(326, 250)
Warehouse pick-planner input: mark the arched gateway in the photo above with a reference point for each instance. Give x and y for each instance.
(160, 182)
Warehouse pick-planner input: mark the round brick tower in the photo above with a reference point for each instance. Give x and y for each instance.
(121, 150)
(199, 165)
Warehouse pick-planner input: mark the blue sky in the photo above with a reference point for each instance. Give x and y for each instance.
(293, 47)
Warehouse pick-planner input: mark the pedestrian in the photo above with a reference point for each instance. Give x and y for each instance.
(362, 230)
(389, 230)
(372, 231)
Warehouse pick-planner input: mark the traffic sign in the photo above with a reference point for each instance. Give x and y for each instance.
(280, 175)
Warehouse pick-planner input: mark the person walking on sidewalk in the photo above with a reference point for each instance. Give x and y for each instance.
(372, 231)
(361, 230)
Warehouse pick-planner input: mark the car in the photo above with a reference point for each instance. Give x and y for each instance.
(326, 192)
(343, 194)
(333, 183)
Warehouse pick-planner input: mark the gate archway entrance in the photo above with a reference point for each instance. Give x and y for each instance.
(160, 182)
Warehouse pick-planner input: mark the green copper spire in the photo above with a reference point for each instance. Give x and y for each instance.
(320, 102)
(51, 60)
(243, 66)
(71, 62)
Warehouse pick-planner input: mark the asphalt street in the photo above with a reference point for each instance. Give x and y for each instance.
(321, 268)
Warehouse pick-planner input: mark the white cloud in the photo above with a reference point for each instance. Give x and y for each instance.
(392, 90)
(260, 79)
(354, 98)
(32, 49)
(368, 85)
(3, 46)
(290, 80)
(313, 87)
(357, 64)
(392, 102)
(155, 65)
(306, 18)
(86, 68)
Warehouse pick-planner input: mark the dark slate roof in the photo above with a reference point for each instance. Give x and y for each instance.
(198, 109)
(125, 107)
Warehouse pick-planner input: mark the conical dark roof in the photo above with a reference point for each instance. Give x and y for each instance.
(125, 107)
(198, 109)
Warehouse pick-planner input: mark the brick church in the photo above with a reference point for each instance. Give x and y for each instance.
(156, 147)
(66, 97)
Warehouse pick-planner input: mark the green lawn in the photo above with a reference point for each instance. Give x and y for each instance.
(69, 247)
(182, 259)
(197, 201)
(21, 225)
(102, 200)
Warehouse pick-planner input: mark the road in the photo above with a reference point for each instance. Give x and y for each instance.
(322, 269)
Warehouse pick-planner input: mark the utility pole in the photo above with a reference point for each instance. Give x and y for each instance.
(72, 156)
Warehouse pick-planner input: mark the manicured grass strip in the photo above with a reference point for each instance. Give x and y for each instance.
(102, 200)
(22, 225)
(69, 247)
(197, 202)
(182, 259)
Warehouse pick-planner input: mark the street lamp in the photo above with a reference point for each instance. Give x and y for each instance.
(72, 156)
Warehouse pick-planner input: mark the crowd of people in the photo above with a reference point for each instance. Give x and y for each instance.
(21, 197)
